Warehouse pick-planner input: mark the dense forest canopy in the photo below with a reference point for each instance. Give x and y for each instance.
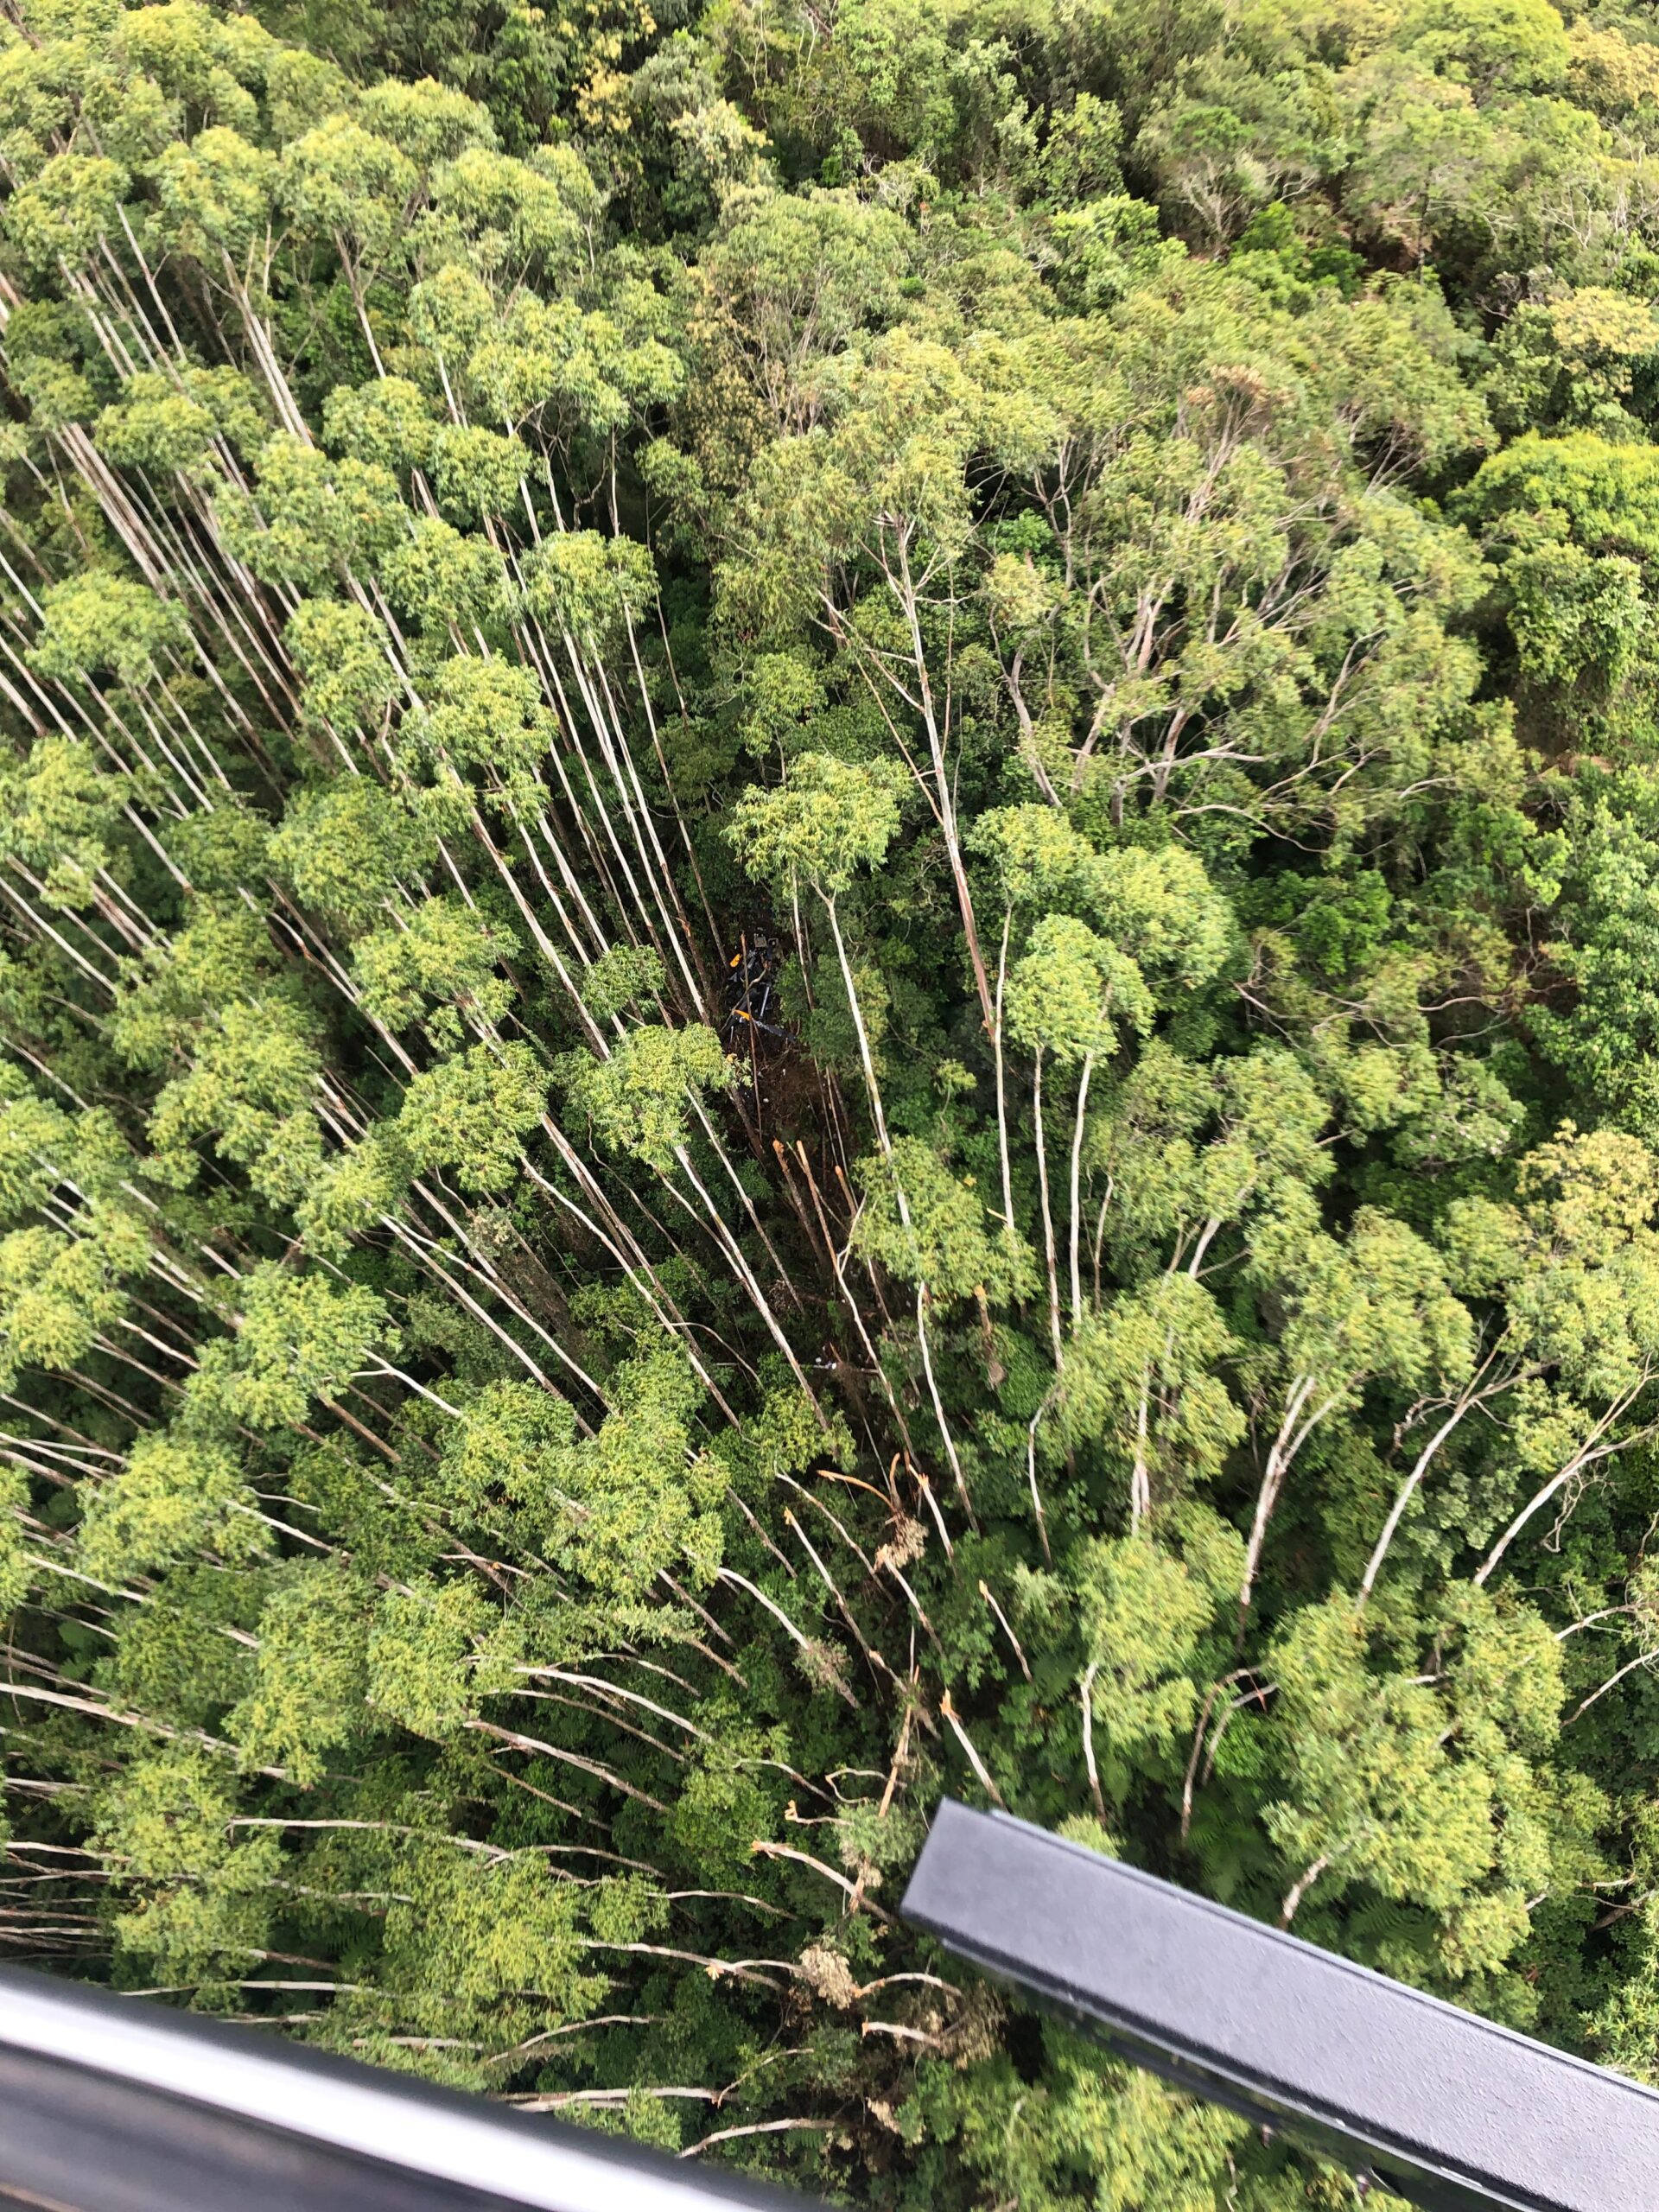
(830, 970)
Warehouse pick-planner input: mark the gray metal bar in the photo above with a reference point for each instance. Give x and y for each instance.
(1443, 2107)
(112, 2104)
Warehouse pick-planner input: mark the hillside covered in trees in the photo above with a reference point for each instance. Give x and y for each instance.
(829, 972)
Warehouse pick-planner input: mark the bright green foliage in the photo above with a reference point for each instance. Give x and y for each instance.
(487, 719)
(1065, 989)
(442, 952)
(312, 517)
(58, 1290)
(830, 819)
(93, 625)
(621, 978)
(635, 1100)
(297, 1336)
(587, 584)
(175, 1497)
(346, 846)
(940, 1235)
(248, 1089)
(1423, 1791)
(310, 1688)
(1144, 1375)
(1605, 913)
(439, 577)
(1374, 1793)
(341, 657)
(1144, 1615)
(826, 881)
(388, 424)
(491, 1939)
(353, 1192)
(469, 1113)
(157, 425)
(57, 812)
(198, 1893)
(635, 1498)
(417, 1652)
(1378, 1303)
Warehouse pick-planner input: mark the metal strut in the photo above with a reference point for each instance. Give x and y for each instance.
(114, 2104)
(1444, 2108)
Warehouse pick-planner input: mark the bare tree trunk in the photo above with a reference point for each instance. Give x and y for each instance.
(1077, 1168)
(1049, 1254)
(1283, 1449)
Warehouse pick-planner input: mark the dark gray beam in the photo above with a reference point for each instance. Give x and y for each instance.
(1443, 2107)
